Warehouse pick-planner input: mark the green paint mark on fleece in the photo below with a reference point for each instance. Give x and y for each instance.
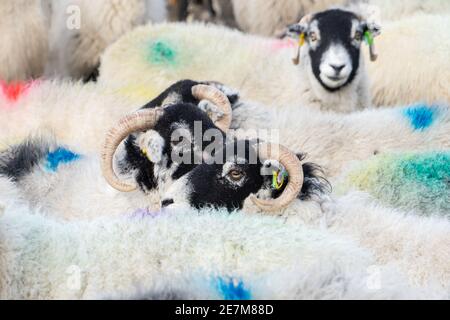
(419, 182)
(162, 52)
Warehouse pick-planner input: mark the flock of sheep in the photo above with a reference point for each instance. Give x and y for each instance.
(85, 170)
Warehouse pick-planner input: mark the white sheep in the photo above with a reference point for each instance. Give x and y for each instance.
(331, 140)
(270, 17)
(218, 256)
(24, 39)
(68, 36)
(82, 29)
(151, 58)
(88, 197)
(333, 77)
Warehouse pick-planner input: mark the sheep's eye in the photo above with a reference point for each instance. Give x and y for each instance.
(312, 36)
(358, 36)
(235, 175)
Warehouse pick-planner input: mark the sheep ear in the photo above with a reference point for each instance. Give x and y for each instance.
(371, 30)
(151, 145)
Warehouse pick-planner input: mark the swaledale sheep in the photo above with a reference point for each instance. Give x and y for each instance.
(75, 49)
(24, 39)
(332, 74)
(159, 254)
(149, 59)
(332, 141)
(270, 17)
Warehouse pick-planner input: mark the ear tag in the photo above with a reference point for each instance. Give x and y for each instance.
(368, 36)
(301, 42)
(278, 179)
(145, 153)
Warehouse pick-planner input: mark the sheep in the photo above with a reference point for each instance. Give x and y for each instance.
(335, 141)
(422, 73)
(75, 49)
(411, 181)
(89, 197)
(66, 110)
(262, 69)
(323, 136)
(344, 88)
(22, 56)
(269, 17)
(149, 158)
(244, 253)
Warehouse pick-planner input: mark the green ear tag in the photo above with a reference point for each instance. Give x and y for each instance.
(369, 37)
(278, 179)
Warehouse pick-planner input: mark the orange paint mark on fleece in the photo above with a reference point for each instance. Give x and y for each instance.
(12, 91)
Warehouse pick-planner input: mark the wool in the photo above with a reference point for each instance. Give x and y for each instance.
(66, 110)
(335, 141)
(162, 256)
(262, 69)
(269, 17)
(76, 52)
(22, 56)
(170, 52)
(416, 182)
(58, 157)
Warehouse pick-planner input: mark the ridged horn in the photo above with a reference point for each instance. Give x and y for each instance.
(141, 120)
(217, 97)
(294, 169)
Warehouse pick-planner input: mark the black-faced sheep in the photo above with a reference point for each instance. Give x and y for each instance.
(252, 62)
(243, 169)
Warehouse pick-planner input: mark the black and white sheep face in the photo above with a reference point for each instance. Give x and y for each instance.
(187, 113)
(241, 173)
(171, 149)
(334, 39)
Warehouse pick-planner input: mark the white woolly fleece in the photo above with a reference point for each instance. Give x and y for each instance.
(268, 17)
(24, 39)
(44, 259)
(76, 52)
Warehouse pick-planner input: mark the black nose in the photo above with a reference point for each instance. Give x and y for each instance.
(167, 202)
(338, 68)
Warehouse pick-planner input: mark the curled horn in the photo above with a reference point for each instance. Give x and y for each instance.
(217, 97)
(141, 120)
(294, 169)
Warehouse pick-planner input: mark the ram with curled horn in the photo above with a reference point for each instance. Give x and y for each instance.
(271, 175)
(138, 151)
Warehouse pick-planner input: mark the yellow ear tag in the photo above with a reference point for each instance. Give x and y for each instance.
(145, 153)
(301, 42)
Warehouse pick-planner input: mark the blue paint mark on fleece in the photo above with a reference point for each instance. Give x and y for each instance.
(58, 157)
(233, 290)
(421, 116)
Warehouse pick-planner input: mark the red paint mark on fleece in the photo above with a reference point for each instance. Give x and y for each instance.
(12, 91)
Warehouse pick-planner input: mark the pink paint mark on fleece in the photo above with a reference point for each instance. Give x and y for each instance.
(14, 90)
(277, 45)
